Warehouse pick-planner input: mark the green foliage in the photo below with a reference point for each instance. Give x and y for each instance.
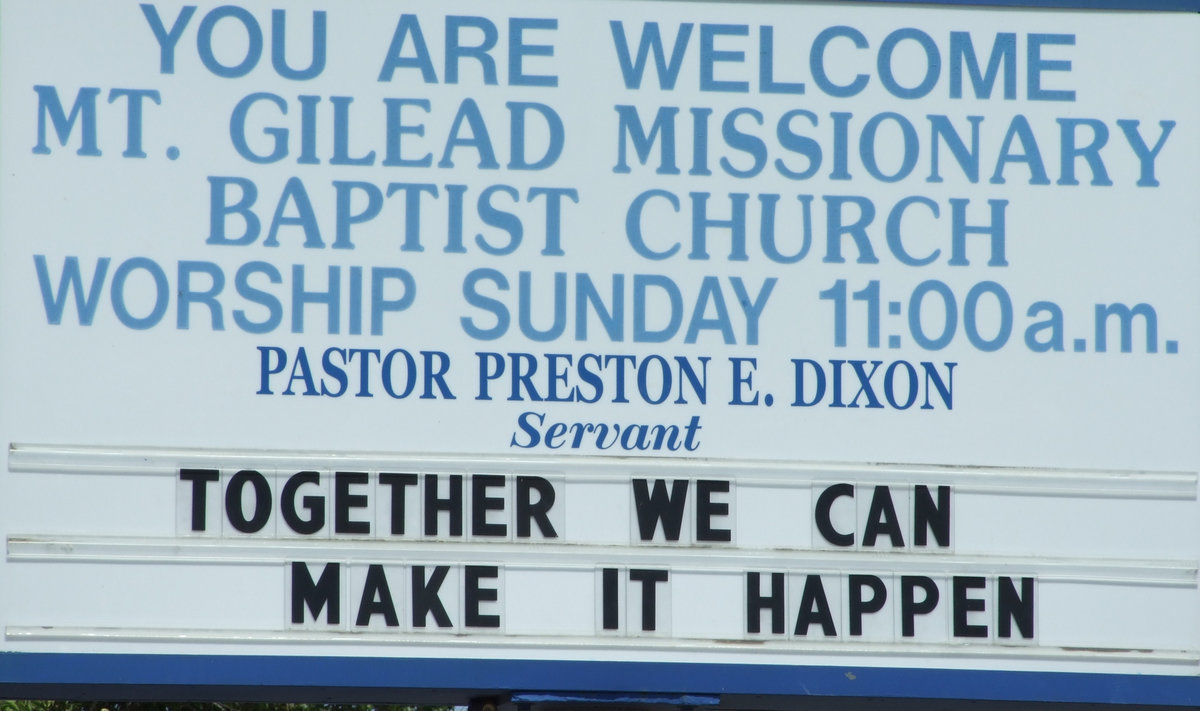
(166, 706)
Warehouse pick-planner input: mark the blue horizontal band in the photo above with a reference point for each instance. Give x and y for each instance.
(1177, 5)
(23, 670)
(580, 697)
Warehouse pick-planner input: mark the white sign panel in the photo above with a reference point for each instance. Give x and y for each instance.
(705, 348)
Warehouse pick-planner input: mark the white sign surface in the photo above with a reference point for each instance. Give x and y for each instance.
(602, 346)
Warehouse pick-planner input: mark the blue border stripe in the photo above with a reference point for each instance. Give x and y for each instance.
(596, 677)
(1176, 5)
